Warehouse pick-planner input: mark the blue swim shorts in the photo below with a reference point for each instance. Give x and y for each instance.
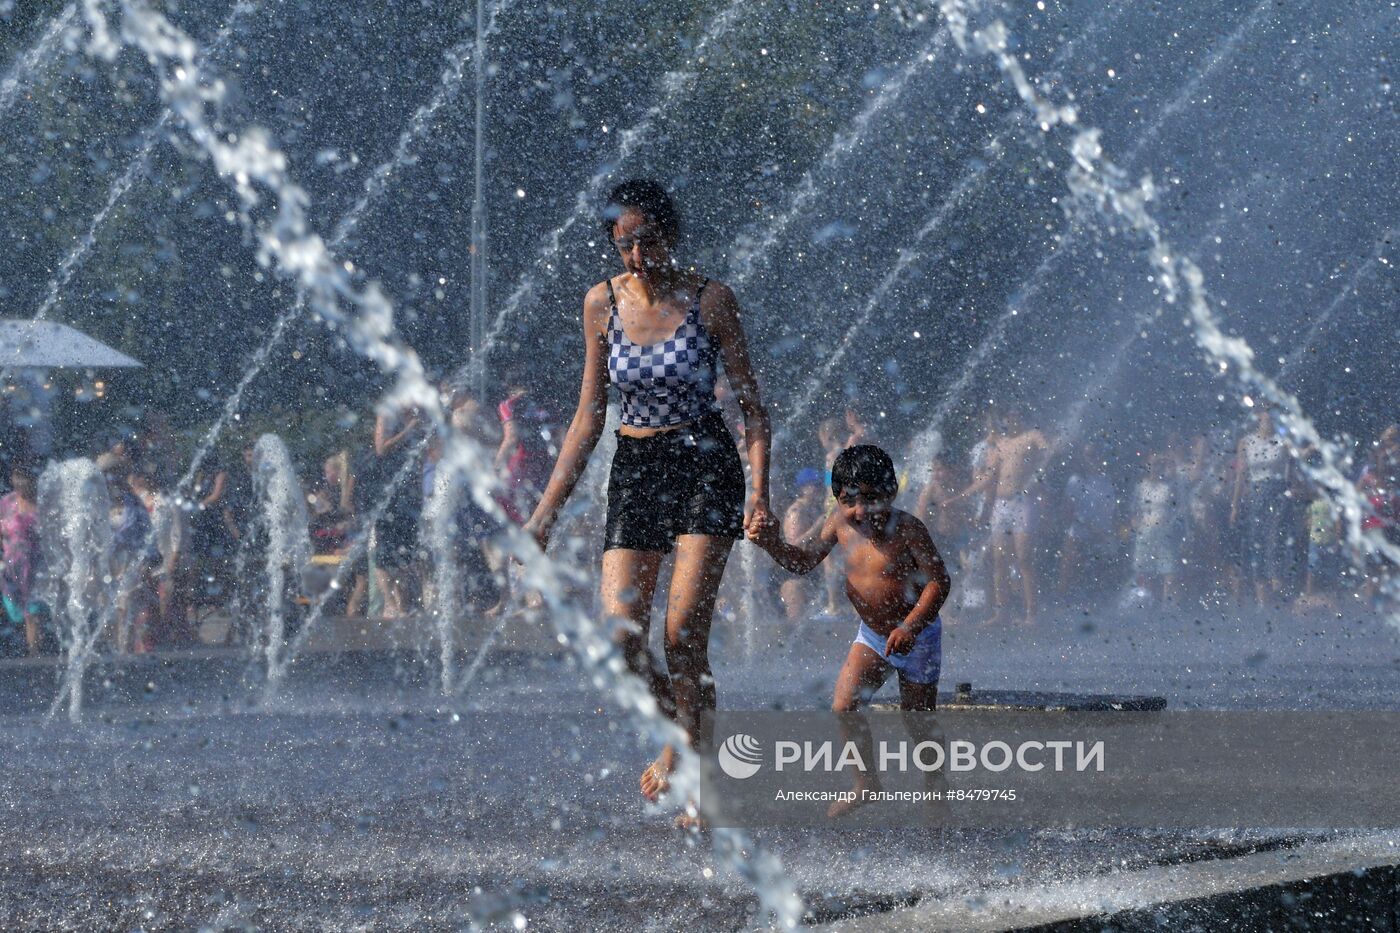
(921, 664)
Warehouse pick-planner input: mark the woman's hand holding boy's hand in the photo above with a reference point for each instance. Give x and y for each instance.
(756, 513)
(765, 532)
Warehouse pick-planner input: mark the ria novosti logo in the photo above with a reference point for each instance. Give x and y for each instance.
(740, 756)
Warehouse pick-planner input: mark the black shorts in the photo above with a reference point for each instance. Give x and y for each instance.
(683, 482)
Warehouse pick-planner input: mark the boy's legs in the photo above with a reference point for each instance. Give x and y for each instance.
(917, 700)
(863, 673)
(914, 697)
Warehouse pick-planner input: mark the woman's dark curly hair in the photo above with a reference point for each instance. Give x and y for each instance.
(648, 197)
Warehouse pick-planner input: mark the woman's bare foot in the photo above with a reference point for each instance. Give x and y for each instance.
(656, 779)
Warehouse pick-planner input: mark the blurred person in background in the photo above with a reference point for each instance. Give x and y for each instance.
(19, 542)
(951, 526)
(1091, 524)
(523, 461)
(1012, 473)
(397, 438)
(976, 592)
(1326, 563)
(527, 450)
(132, 551)
(333, 526)
(802, 519)
(1380, 484)
(832, 438)
(212, 541)
(172, 575)
(1257, 506)
(1207, 481)
(857, 427)
(1154, 525)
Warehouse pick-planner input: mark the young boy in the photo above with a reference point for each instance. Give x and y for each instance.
(895, 579)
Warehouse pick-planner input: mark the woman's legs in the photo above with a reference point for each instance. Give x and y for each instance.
(690, 607)
(629, 582)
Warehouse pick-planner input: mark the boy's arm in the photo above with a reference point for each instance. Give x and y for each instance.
(800, 557)
(928, 565)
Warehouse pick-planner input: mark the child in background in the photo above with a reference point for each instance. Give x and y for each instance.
(803, 519)
(1324, 551)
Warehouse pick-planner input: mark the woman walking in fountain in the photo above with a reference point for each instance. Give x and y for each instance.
(658, 332)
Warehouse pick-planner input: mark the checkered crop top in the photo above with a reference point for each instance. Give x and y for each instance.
(666, 383)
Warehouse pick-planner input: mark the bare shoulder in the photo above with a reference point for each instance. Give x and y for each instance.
(909, 524)
(596, 306)
(718, 306)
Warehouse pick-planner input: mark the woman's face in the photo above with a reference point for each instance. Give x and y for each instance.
(641, 244)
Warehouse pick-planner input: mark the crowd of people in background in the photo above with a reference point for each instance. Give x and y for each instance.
(1027, 520)
(181, 555)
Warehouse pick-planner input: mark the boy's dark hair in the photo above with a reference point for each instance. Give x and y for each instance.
(864, 465)
(650, 199)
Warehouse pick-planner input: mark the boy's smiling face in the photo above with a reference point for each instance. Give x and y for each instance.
(864, 506)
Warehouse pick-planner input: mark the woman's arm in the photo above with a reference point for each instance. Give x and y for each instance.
(588, 422)
(720, 311)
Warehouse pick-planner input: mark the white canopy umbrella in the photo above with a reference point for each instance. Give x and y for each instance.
(51, 345)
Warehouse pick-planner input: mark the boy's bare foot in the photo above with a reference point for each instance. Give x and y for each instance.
(840, 808)
(656, 779)
(691, 821)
